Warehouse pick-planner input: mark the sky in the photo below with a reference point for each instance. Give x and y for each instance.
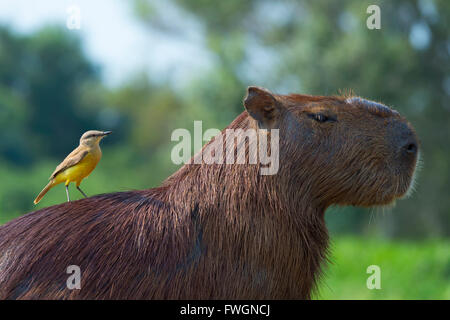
(112, 37)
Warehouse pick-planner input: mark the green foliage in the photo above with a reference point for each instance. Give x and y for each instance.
(44, 79)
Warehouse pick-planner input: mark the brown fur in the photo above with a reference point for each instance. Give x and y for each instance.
(217, 231)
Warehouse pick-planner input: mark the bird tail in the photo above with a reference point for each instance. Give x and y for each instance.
(44, 191)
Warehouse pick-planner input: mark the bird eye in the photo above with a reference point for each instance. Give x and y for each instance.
(320, 117)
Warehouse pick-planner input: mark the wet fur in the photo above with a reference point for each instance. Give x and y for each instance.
(210, 231)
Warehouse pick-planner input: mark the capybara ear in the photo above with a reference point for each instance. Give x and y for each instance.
(262, 106)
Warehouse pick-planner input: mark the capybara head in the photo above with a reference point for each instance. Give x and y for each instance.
(342, 150)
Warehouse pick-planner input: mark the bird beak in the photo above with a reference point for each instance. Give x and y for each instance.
(105, 133)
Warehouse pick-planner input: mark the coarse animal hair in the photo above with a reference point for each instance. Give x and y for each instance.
(220, 231)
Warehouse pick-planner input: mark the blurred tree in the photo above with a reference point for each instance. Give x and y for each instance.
(148, 108)
(13, 105)
(43, 79)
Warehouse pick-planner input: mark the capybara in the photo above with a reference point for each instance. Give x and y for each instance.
(220, 230)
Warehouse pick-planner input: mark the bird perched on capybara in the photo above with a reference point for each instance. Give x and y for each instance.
(78, 164)
(220, 230)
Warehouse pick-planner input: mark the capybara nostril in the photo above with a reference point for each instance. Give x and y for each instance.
(403, 139)
(408, 143)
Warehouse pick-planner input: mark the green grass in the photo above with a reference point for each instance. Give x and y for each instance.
(409, 270)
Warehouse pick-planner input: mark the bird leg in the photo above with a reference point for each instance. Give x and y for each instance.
(67, 192)
(79, 189)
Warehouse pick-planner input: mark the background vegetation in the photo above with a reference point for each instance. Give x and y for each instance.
(50, 93)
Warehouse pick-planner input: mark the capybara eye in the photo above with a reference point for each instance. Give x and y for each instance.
(320, 117)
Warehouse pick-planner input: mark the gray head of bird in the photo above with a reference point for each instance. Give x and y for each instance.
(93, 137)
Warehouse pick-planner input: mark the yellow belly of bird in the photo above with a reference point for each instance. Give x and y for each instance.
(79, 171)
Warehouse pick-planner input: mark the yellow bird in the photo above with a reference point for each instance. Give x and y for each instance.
(78, 164)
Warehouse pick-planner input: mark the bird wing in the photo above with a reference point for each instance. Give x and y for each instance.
(72, 159)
